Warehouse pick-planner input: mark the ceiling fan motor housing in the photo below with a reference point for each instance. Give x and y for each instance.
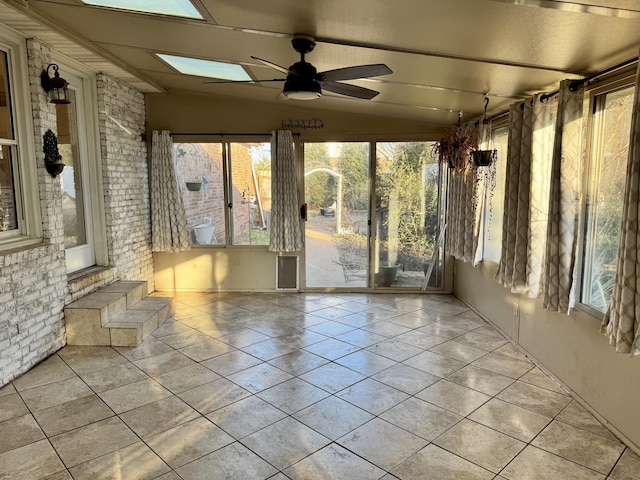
(301, 83)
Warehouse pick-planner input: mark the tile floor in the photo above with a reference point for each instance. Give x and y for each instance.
(304, 386)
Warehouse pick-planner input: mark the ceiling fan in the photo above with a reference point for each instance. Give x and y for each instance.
(304, 82)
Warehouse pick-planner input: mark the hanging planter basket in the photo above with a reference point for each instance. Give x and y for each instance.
(484, 158)
(193, 186)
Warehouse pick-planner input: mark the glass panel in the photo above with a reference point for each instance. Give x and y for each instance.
(495, 200)
(8, 211)
(250, 192)
(206, 68)
(179, 8)
(607, 174)
(73, 215)
(407, 214)
(6, 126)
(337, 230)
(199, 171)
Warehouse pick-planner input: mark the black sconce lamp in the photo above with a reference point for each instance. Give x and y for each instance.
(56, 87)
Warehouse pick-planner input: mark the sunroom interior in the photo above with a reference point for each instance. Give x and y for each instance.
(377, 212)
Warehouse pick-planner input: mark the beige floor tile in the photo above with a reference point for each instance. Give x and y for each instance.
(135, 461)
(186, 378)
(205, 350)
(332, 377)
(260, 377)
(395, 349)
(508, 350)
(292, 395)
(421, 418)
(92, 441)
(35, 461)
(332, 348)
(536, 399)
(432, 463)
(510, 419)
(189, 441)
(435, 364)
(50, 371)
(63, 475)
(11, 406)
(233, 462)
(51, 394)
(333, 417)
(627, 467)
(113, 377)
(481, 445)
(535, 464)
(332, 328)
(169, 476)
(171, 327)
(246, 416)
(453, 397)
(365, 362)
(231, 362)
(421, 339)
(163, 363)
(441, 329)
(96, 361)
(333, 461)
(18, 432)
(576, 415)
(298, 362)
(537, 377)
(503, 365)
(243, 338)
(406, 379)
(373, 396)
(134, 395)
(482, 380)
(460, 351)
(268, 349)
(398, 444)
(147, 348)
(580, 446)
(213, 395)
(386, 328)
(8, 389)
(361, 338)
(285, 442)
(479, 340)
(159, 416)
(76, 413)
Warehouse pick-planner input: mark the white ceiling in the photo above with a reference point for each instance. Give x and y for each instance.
(445, 54)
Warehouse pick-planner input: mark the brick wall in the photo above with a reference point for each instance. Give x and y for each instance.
(33, 280)
(125, 179)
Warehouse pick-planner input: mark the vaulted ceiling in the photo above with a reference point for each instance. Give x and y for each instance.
(446, 55)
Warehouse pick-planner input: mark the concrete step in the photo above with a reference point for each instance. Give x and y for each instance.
(119, 314)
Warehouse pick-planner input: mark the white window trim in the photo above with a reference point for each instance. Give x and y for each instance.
(26, 178)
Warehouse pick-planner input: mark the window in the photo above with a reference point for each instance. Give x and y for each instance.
(605, 190)
(17, 208)
(495, 198)
(226, 189)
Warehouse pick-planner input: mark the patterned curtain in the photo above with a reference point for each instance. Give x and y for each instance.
(169, 230)
(286, 226)
(526, 195)
(622, 320)
(461, 239)
(564, 202)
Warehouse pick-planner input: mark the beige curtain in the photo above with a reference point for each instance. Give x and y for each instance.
(622, 320)
(529, 156)
(564, 202)
(461, 238)
(169, 230)
(286, 224)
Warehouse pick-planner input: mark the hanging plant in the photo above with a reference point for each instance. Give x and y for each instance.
(455, 147)
(483, 158)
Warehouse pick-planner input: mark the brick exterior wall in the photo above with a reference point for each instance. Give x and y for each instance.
(125, 179)
(34, 286)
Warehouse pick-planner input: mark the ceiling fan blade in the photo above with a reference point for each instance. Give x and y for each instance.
(349, 90)
(273, 65)
(352, 73)
(246, 81)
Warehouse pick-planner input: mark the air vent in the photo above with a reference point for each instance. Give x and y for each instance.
(287, 272)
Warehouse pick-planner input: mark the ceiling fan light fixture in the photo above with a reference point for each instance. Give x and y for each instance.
(298, 88)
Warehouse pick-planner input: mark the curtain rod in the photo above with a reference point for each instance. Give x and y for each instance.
(143, 136)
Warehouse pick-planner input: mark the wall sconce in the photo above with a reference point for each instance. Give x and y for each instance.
(56, 87)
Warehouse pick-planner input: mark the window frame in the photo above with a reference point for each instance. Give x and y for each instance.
(24, 175)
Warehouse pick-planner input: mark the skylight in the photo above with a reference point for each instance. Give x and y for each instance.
(206, 68)
(177, 8)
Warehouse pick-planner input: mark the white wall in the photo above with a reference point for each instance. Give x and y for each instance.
(570, 347)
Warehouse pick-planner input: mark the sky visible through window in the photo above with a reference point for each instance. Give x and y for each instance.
(205, 68)
(178, 8)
